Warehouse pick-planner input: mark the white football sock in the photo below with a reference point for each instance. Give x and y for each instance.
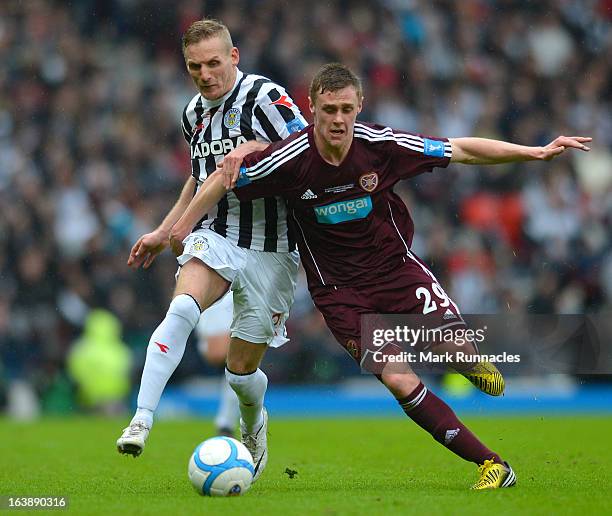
(229, 411)
(250, 389)
(165, 351)
(144, 415)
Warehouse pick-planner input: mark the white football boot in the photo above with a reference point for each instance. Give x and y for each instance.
(133, 438)
(257, 444)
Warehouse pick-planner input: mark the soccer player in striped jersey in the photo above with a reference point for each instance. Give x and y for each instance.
(242, 245)
(355, 235)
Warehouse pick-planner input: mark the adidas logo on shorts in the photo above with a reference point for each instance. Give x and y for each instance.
(448, 314)
(308, 194)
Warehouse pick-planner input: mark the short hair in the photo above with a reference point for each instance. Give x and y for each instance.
(334, 77)
(206, 29)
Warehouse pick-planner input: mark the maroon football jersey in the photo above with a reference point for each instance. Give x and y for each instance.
(351, 228)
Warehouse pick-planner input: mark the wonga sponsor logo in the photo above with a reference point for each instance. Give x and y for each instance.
(344, 211)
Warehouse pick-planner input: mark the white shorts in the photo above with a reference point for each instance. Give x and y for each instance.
(263, 284)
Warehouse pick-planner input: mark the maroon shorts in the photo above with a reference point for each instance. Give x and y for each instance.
(412, 289)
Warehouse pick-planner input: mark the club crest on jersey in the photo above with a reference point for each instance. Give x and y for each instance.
(369, 182)
(231, 119)
(199, 244)
(351, 347)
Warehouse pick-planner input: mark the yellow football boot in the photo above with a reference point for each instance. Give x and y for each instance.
(486, 377)
(494, 476)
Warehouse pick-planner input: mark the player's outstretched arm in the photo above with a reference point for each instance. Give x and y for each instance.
(482, 151)
(148, 246)
(231, 163)
(209, 194)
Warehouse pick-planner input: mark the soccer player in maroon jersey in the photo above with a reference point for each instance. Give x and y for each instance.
(354, 233)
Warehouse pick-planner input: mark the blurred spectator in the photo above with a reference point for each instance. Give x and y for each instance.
(99, 364)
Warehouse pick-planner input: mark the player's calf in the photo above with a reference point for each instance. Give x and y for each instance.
(436, 417)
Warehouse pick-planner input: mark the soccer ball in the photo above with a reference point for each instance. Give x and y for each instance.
(221, 466)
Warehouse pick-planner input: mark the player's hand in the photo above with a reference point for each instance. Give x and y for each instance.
(561, 144)
(177, 235)
(230, 166)
(146, 249)
(230, 169)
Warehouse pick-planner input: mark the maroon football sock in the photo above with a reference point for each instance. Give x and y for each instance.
(432, 414)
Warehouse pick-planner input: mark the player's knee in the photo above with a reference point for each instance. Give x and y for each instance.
(241, 364)
(244, 357)
(400, 384)
(186, 307)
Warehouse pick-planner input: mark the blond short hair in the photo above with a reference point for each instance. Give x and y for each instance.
(206, 29)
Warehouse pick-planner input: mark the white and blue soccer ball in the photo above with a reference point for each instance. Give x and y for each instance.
(221, 466)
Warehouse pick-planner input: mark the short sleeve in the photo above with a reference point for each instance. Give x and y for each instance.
(276, 115)
(262, 174)
(274, 171)
(186, 127)
(414, 154)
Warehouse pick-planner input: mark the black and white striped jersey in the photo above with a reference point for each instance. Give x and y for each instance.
(254, 109)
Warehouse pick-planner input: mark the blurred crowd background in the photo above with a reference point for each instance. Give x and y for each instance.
(92, 156)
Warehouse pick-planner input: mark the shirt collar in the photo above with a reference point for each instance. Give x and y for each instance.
(217, 102)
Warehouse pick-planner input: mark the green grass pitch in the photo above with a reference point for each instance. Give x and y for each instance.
(344, 466)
